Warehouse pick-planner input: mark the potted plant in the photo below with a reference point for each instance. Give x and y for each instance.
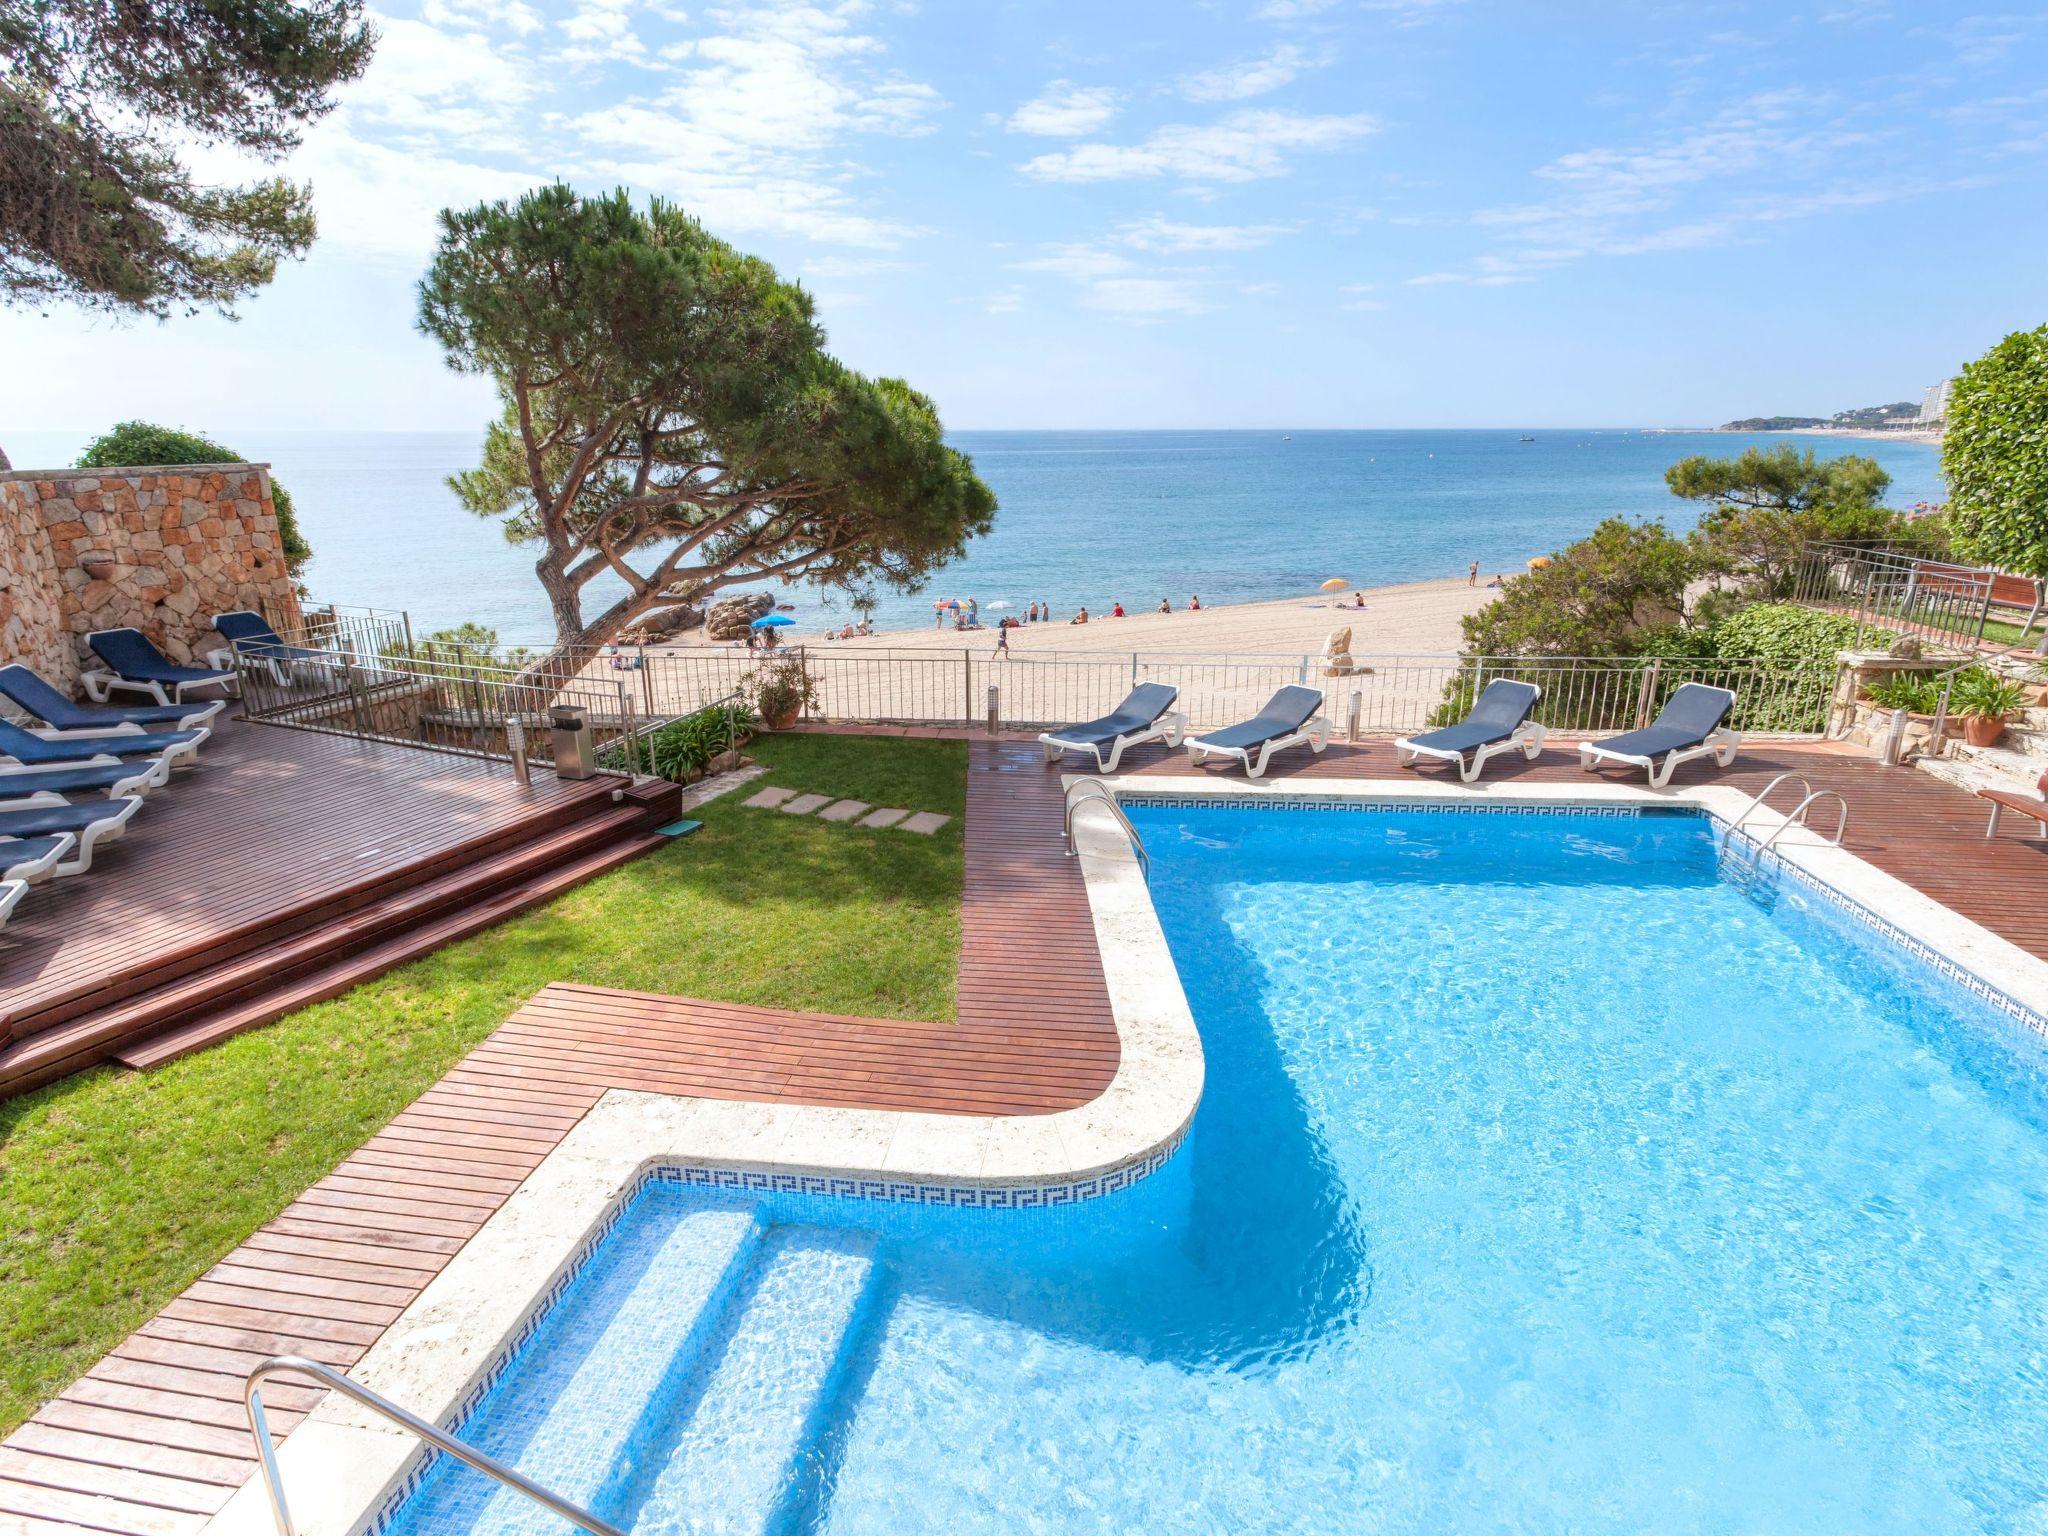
(782, 689)
(1984, 701)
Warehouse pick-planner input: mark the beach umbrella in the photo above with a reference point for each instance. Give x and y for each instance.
(1335, 584)
(1539, 562)
(771, 621)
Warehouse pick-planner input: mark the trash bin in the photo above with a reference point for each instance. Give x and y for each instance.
(575, 746)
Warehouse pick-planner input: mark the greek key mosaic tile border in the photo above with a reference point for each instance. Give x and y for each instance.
(1782, 869)
(1002, 1197)
(1379, 807)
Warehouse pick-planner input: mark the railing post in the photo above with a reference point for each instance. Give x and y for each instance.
(629, 724)
(646, 681)
(476, 704)
(1351, 720)
(967, 687)
(995, 708)
(359, 705)
(1647, 692)
(406, 617)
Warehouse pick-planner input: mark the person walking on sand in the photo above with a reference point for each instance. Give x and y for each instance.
(1472, 576)
(1003, 639)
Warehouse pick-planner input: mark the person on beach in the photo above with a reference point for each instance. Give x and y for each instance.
(1472, 576)
(1358, 599)
(974, 613)
(1116, 610)
(1194, 604)
(1003, 638)
(939, 619)
(1079, 618)
(1032, 617)
(1166, 605)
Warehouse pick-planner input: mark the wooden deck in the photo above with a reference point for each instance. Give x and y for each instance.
(272, 836)
(151, 1441)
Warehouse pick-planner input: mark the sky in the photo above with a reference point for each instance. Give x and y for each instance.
(1130, 213)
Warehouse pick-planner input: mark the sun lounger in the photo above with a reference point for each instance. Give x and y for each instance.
(29, 859)
(26, 747)
(1688, 726)
(255, 640)
(1498, 722)
(1289, 719)
(1146, 714)
(11, 892)
(133, 663)
(31, 693)
(115, 777)
(95, 822)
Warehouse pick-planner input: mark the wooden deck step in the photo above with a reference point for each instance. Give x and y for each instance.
(333, 979)
(338, 953)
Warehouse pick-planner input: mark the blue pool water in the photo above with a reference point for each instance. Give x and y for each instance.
(1543, 1181)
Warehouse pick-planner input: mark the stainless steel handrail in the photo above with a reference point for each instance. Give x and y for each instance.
(1075, 799)
(1728, 838)
(1799, 815)
(259, 1426)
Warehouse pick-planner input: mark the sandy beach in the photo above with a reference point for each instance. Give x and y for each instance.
(1225, 660)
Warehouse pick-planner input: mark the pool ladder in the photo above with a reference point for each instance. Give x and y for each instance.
(440, 1439)
(1080, 793)
(1796, 817)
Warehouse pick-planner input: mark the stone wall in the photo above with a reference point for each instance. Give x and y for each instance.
(157, 549)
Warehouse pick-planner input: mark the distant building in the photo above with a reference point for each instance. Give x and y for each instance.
(1934, 404)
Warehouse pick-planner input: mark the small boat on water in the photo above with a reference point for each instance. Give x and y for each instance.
(1528, 439)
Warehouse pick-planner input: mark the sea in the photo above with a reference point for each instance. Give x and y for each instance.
(1088, 518)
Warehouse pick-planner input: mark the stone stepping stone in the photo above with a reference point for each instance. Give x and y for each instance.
(883, 818)
(803, 805)
(925, 822)
(842, 810)
(768, 799)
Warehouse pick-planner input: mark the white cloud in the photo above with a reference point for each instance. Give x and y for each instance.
(599, 31)
(1079, 262)
(1007, 302)
(1145, 297)
(1293, 10)
(1250, 77)
(1064, 110)
(749, 133)
(1242, 146)
(456, 88)
(1155, 233)
(514, 16)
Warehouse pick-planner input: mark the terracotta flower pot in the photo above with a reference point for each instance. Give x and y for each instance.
(1982, 730)
(783, 719)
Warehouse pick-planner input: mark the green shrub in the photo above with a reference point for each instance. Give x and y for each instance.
(1982, 692)
(134, 444)
(1676, 642)
(684, 748)
(1788, 632)
(1915, 692)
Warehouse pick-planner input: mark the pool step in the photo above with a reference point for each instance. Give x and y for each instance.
(749, 1444)
(577, 1416)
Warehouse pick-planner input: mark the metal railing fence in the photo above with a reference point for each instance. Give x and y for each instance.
(1892, 591)
(365, 684)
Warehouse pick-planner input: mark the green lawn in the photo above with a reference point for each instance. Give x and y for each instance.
(118, 1189)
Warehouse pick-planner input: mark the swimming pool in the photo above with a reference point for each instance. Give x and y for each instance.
(1543, 1180)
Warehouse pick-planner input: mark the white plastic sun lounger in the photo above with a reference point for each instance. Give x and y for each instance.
(1499, 722)
(133, 663)
(98, 821)
(1289, 719)
(1146, 714)
(108, 774)
(11, 892)
(1687, 727)
(29, 859)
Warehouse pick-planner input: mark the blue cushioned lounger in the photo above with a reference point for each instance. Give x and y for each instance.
(1145, 715)
(116, 778)
(134, 663)
(1499, 722)
(1290, 718)
(31, 858)
(31, 693)
(11, 892)
(255, 639)
(96, 821)
(1688, 726)
(27, 748)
